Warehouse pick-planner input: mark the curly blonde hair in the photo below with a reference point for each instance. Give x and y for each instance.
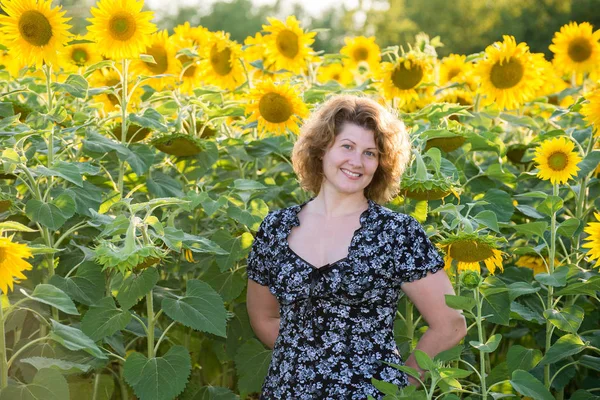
(326, 122)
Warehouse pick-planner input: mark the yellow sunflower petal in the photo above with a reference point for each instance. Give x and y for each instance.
(556, 160)
(12, 263)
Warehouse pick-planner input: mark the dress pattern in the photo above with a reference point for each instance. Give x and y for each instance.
(336, 323)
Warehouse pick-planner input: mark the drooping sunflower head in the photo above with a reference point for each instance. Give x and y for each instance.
(161, 48)
(591, 110)
(535, 262)
(80, 53)
(361, 51)
(432, 189)
(470, 249)
(34, 30)
(576, 48)
(556, 160)
(12, 263)
(222, 65)
(335, 72)
(276, 107)
(509, 74)
(287, 46)
(593, 240)
(121, 28)
(402, 78)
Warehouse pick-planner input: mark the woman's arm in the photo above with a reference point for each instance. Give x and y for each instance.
(446, 326)
(263, 310)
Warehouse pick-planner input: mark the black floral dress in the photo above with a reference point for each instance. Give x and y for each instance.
(337, 321)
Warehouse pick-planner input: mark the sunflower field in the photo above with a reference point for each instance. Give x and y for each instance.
(136, 167)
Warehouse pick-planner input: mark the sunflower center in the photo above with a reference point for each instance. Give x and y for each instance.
(275, 108)
(189, 69)
(336, 77)
(580, 49)
(558, 161)
(122, 26)
(506, 75)
(407, 78)
(470, 251)
(287, 43)
(220, 60)
(453, 72)
(35, 28)
(160, 56)
(79, 56)
(360, 54)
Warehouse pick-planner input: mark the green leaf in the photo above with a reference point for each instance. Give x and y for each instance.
(139, 156)
(136, 286)
(583, 395)
(500, 203)
(158, 378)
(8, 226)
(557, 279)
(75, 85)
(517, 289)
(565, 346)
(590, 362)
(201, 308)
(526, 313)
(162, 185)
(490, 346)
(251, 217)
(568, 319)
(526, 384)
(519, 357)
(53, 296)
(387, 388)
(460, 302)
(424, 360)
(47, 384)
(531, 229)
(450, 354)
(488, 218)
(151, 119)
(86, 287)
(104, 319)
(74, 339)
(529, 211)
(569, 227)
(588, 287)
(252, 364)
(67, 171)
(247, 184)
(455, 373)
(64, 366)
(496, 301)
(228, 284)
(52, 215)
(194, 391)
(233, 245)
(550, 205)
(86, 197)
(588, 164)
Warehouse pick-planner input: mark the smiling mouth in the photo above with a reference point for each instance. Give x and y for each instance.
(350, 173)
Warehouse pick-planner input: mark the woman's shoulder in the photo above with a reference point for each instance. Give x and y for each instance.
(393, 218)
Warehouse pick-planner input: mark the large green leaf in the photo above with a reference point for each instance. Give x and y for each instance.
(550, 205)
(53, 296)
(526, 384)
(194, 391)
(201, 308)
(75, 85)
(104, 319)
(136, 286)
(568, 319)
(588, 287)
(251, 217)
(158, 378)
(162, 185)
(519, 357)
(460, 302)
(517, 289)
(62, 169)
(588, 164)
(51, 215)
(235, 246)
(140, 157)
(47, 384)
(488, 347)
(590, 362)
(228, 284)
(64, 366)
(252, 364)
(86, 287)
(500, 203)
(74, 339)
(556, 279)
(565, 346)
(532, 229)
(496, 301)
(86, 197)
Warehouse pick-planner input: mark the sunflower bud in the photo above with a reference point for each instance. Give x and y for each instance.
(470, 280)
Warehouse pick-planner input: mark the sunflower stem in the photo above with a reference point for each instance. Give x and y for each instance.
(3, 360)
(481, 340)
(549, 305)
(410, 329)
(150, 317)
(124, 99)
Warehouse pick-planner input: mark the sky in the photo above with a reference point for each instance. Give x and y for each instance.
(314, 7)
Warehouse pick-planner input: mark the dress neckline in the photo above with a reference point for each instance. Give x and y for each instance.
(295, 221)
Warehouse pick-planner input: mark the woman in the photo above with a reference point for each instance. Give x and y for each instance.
(325, 275)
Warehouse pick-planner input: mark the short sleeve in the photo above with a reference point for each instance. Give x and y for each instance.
(416, 255)
(258, 259)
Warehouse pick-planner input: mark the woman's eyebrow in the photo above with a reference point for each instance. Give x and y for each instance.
(368, 148)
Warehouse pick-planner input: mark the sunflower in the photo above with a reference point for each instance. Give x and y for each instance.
(556, 160)
(593, 230)
(535, 263)
(79, 54)
(509, 73)
(12, 264)
(576, 48)
(402, 78)
(222, 65)
(276, 107)
(254, 48)
(121, 28)
(455, 69)
(34, 31)
(187, 36)
(286, 45)
(335, 72)
(161, 48)
(469, 249)
(456, 96)
(360, 52)
(591, 110)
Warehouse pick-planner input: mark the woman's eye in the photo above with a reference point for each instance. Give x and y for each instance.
(370, 153)
(347, 146)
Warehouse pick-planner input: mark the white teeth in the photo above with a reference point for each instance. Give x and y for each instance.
(351, 173)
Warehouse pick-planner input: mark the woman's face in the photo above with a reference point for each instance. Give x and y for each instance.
(351, 161)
